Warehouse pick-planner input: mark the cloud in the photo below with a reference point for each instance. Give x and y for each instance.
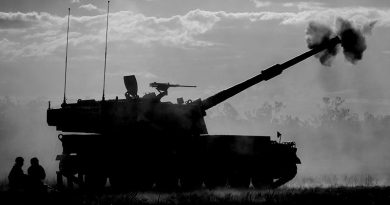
(19, 20)
(91, 7)
(177, 30)
(43, 33)
(359, 14)
(259, 3)
(7, 48)
(302, 5)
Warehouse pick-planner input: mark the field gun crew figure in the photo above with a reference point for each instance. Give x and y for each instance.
(17, 179)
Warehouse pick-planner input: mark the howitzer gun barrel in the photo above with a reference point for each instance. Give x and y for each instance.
(266, 74)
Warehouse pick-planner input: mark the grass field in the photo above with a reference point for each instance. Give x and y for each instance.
(362, 189)
(329, 195)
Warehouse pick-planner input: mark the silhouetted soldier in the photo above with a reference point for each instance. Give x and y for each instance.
(36, 175)
(17, 178)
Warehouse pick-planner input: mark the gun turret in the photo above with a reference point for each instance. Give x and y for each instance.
(266, 74)
(163, 87)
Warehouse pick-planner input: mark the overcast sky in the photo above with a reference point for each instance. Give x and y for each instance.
(209, 43)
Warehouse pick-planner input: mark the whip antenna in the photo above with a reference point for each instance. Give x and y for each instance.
(105, 51)
(66, 58)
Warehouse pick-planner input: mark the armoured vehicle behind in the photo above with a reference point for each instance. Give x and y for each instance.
(141, 142)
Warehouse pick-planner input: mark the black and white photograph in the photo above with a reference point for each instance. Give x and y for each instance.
(116, 102)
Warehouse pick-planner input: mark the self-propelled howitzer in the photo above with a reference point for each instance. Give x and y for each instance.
(142, 142)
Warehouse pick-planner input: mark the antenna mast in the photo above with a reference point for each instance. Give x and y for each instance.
(66, 58)
(105, 52)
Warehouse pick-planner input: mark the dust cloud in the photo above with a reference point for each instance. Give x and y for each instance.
(24, 132)
(336, 147)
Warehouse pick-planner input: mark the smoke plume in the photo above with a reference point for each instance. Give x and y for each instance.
(352, 38)
(318, 34)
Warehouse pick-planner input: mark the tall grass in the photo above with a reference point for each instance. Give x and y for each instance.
(283, 195)
(363, 180)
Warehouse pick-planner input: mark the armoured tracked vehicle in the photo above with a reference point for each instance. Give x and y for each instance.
(142, 142)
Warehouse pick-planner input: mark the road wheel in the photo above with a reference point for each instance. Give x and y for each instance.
(262, 181)
(95, 182)
(215, 181)
(129, 183)
(167, 183)
(191, 182)
(288, 173)
(238, 181)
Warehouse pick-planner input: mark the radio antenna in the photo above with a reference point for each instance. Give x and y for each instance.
(105, 51)
(66, 58)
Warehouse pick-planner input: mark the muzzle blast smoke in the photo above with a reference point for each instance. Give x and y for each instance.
(352, 39)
